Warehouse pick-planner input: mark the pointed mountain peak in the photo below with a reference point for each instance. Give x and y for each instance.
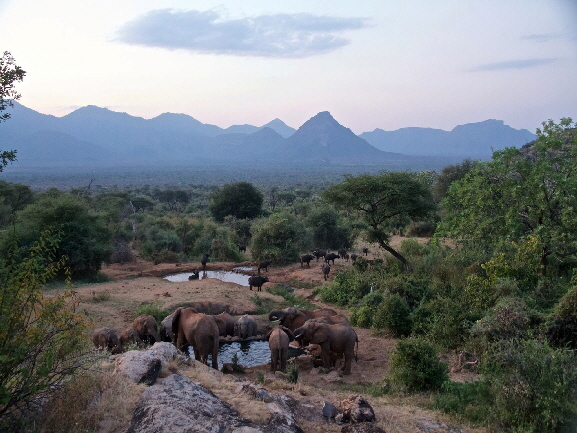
(280, 127)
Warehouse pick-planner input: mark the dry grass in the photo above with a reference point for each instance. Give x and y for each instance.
(93, 401)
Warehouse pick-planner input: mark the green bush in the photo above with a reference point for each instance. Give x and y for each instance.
(363, 315)
(154, 309)
(393, 316)
(415, 366)
(469, 400)
(533, 387)
(563, 321)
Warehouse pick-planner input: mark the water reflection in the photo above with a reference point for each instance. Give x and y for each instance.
(250, 353)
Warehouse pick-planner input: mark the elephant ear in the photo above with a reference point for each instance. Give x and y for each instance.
(320, 333)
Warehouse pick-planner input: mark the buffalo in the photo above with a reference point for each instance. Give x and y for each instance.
(264, 265)
(326, 269)
(331, 256)
(306, 258)
(204, 261)
(318, 253)
(257, 281)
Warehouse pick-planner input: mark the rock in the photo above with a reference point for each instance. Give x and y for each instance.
(304, 362)
(164, 351)
(175, 404)
(139, 366)
(329, 410)
(356, 409)
(333, 376)
(314, 349)
(365, 427)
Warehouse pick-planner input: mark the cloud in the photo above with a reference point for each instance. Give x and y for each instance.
(512, 64)
(278, 35)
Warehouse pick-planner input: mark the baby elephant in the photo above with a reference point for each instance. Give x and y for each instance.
(107, 339)
(245, 327)
(278, 341)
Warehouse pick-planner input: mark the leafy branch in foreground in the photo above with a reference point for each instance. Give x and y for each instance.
(41, 338)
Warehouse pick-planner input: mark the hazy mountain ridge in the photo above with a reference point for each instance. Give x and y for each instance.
(94, 134)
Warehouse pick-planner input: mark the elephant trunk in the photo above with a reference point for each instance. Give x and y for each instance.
(276, 315)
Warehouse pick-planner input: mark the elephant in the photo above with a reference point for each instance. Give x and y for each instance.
(306, 258)
(204, 261)
(225, 324)
(257, 281)
(128, 336)
(326, 270)
(145, 326)
(337, 319)
(245, 327)
(107, 339)
(278, 341)
(264, 265)
(166, 333)
(197, 330)
(334, 340)
(293, 318)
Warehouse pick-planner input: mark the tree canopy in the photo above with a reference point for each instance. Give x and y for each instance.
(524, 192)
(384, 202)
(241, 200)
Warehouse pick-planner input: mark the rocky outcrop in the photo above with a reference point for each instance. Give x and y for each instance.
(355, 409)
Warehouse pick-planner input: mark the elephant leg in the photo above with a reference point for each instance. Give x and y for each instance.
(347, 364)
(283, 358)
(273, 359)
(215, 355)
(326, 355)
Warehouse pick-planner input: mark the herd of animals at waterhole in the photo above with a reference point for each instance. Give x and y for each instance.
(323, 333)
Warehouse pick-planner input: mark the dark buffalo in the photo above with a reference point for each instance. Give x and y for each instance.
(264, 265)
(257, 281)
(346, 256)
(342, 252)
(326, 269)
(306, 258)
(242, 248)
(331, 256)
(318, 253)
(353, 257)
(204, 261)
(194, 276)
(366, 251)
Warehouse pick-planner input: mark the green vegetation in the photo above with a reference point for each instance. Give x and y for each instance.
(152, 309)
(10, 74)
(241, 200)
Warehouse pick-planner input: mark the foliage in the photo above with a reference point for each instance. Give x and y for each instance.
(563, 322)
(10, 73)
(415, 366)
(241, 200)
(328, 229)
(292, 371)
(469, 400)
(153, 309)
(533, 387)
(448, 175)
(393, 315)
(279, 238)
(13, 197)
(83, 237)
(385, 202)
(521, 193)
(363, 315)
(41, 337)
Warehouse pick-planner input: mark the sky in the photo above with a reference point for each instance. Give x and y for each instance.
(373, 63)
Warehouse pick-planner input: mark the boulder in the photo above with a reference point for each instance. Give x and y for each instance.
(329, 410)
(175, 404)
(356, 409)
(138, 366)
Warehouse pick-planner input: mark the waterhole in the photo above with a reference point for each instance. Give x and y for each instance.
(226, 276)
(250, 353)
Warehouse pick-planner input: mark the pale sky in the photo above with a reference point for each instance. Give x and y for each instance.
(372, 63)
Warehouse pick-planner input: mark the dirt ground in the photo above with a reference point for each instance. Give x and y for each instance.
(113, 303)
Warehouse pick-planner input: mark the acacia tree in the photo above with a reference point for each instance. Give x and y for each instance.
(521, 193)
(10, 73)
(384, 202)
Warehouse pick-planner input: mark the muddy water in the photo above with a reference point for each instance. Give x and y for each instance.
(226, 276)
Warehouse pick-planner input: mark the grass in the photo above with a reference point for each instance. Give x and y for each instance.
(366, 388)
(290, 300)
(100, 296)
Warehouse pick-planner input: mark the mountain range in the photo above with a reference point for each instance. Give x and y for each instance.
(93, 135)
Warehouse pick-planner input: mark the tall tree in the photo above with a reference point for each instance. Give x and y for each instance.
(241, 200)
(10, 73)
(524, 192)
(383, 201)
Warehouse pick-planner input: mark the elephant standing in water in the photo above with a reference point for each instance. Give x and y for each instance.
(225, 324)
(278, 342)
(245, 327)
(293, 318)
(197, 330)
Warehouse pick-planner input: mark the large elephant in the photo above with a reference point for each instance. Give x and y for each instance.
(145, 326)
(225, 324)
(245, 327)
(278, 342)
(334, 340)
(293, 318)
(197, 330)
(107, 339)
(166, 333)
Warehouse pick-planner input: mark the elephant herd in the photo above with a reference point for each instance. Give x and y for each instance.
(186, 327)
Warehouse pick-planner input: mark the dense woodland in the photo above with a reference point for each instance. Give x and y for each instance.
(495, 279)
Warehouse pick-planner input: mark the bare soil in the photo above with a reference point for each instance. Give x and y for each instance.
(113, 303)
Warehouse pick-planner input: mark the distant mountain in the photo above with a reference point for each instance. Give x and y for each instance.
(95, 135)
(473, 140)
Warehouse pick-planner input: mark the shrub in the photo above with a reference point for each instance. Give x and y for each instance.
(421, 229)
(292, 371)
(415, 366)
(470, 400)
(393, 316)
(563, 322)
(533, 387)
(153, 309)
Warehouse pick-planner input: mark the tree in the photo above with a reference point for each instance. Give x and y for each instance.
(10, 73)
(84, 237)
(328, 229)
(448, 175)
(521, 193)
(241, 200)
(384, 202)
(41, 338)
(13, 197)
